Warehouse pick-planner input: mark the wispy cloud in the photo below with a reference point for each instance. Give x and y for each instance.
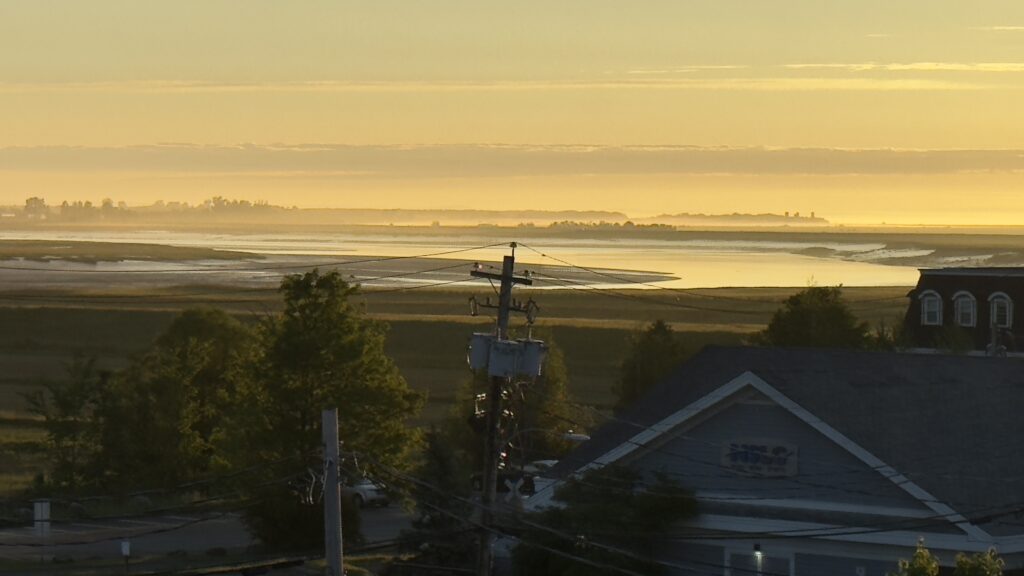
(341, 162)
(640, 81)
(999, 28)
(915, 66)
(687, 69)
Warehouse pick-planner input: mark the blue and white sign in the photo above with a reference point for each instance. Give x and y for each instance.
(760, 457)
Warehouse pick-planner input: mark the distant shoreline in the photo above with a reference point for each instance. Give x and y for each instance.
(232, 214)
(388, 255)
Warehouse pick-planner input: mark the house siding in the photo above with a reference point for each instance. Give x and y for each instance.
(815, 564)
(687, 559)
(826, 472)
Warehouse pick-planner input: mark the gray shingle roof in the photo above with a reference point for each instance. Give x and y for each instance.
(1007, 271)
(952, 424)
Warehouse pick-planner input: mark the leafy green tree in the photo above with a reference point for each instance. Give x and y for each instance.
(321, 352)
(543, 411)
(72, 436)
(163, 417)
(986, 563)
(439, 536)
(604, 512)
(922, 563)
(540, 412)
(539, 409)
(816, 317)
(653, 353)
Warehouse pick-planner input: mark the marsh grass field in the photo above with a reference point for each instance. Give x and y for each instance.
(63, 294)
(92, 252)
(429, 332)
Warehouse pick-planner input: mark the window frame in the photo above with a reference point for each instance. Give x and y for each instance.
(960, 299)
(924, 298)
(994, 301)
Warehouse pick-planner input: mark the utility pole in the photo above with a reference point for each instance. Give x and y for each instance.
(332, 495)
(491, 432)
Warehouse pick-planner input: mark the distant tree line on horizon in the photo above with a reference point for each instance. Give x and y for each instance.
(37, 209)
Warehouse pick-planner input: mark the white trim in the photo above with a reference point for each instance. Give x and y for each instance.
(833, 548)
(930, 296)
(992, 302)
(871, 460)
(964, 296)
(666, 425)
(815, 505)
(543, 498)
(975, 353)
(749, 379)
(792, 530)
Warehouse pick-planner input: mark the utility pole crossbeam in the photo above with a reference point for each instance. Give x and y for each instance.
(491, 448)
(332, 495)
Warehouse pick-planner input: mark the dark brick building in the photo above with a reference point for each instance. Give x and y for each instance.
(967, 308)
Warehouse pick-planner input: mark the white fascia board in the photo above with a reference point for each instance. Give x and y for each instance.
(815, 505)
(871, 460)
(543, 498)
(790, 529)
(748, 378)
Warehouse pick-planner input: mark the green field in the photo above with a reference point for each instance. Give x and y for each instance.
(429, 333)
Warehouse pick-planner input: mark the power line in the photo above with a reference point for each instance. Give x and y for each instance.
(979, 515)
(568, 537)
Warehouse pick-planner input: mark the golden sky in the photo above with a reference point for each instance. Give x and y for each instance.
(863, 110)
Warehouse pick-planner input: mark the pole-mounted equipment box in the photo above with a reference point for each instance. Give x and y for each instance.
(506, 358)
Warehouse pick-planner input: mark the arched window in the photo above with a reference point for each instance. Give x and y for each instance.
(965, 308)
(931, 308)
(1001, 309)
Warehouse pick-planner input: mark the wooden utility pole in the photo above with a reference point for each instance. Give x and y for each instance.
(491, 448)
(332, 495)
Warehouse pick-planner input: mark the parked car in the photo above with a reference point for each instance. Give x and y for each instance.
(366, 492)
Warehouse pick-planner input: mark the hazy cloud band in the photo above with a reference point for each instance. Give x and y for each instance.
(635, 80)
(474, 161)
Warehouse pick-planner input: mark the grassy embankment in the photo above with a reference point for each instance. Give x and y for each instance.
(91, 252)
(429, 333)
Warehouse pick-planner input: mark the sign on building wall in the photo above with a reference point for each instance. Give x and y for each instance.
(760, 457)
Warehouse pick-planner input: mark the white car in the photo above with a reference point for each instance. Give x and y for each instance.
(365, 492)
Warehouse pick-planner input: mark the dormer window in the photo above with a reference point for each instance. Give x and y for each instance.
(931, 308)
(965, 308)
(1001, 310)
